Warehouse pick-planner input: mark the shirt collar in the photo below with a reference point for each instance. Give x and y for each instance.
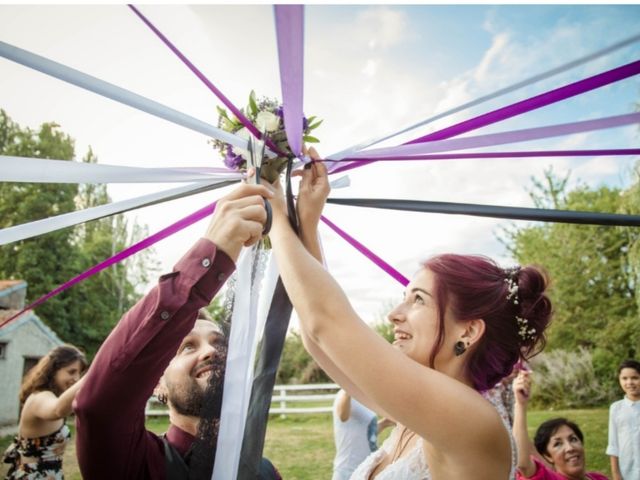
(630, 402)
(179, 439)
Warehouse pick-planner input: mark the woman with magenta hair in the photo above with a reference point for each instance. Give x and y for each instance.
(559, 443)
(45, 400)
(463, 324)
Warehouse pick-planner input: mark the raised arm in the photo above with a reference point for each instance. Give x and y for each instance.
(110, 408)
(522, 390)
(46, 406)
(428, 402)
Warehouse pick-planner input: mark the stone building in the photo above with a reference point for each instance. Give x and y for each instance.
(23, 342)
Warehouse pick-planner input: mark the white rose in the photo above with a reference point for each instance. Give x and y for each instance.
(244, 153)
(267, 121)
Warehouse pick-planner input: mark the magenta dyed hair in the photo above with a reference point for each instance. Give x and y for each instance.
(473, 286)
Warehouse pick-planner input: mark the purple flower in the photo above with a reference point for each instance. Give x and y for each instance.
(233, 161)
(305, 124)
(280, 112)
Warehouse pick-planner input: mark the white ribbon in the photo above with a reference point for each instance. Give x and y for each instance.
(118, 94)
(46, 225)
(250, 310)
(39, 170)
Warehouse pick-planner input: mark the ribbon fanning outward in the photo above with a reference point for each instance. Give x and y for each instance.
(238, 113)
(517, 108)
(116, 93)
(502, 138)
(491, 96)
(290, 32)
(51, 224)
(404, 281)
(44, 170)
(120, 256)
(524, 154)
(511, 213)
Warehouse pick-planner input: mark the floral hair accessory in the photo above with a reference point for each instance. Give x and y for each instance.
(524, 331)
(267, 115)
(512, 284)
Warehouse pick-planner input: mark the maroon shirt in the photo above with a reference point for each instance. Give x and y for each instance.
(112, 441)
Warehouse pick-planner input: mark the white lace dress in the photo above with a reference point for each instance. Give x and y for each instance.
(413, 466)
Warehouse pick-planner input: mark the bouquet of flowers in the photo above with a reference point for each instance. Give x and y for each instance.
(266, 114)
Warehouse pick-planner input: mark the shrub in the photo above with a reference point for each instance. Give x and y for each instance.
(564, 379)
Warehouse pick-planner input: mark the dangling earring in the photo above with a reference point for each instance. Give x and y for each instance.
(162, 398)
(459, 348)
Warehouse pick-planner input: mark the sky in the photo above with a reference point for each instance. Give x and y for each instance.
(370, 70)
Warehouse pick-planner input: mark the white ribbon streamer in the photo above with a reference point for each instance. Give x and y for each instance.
(46, 225)
(247, 324)
(39, 170)
(119, 94)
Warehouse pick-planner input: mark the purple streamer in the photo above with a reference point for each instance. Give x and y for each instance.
(533, 103)
(367, 253)
(528, 154)
(118, 257)
(290, 34)
(238, 114)
(492, 139)
(518, 108)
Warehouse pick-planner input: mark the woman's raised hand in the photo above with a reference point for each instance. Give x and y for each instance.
(313, 192)
(522, 387)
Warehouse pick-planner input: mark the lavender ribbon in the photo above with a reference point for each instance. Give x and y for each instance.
(498, 93)
(501, 138)
(120, 256)
(518, 108)
(239, 115)
(367, 253)
(290, 34)
(525, 154)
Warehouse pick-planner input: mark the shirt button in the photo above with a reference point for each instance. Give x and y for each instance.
(221, 277)
(165, 315)
(206, 263)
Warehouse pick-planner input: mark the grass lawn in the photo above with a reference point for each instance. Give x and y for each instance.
(301, 446)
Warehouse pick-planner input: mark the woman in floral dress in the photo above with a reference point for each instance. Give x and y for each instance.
(45, 400)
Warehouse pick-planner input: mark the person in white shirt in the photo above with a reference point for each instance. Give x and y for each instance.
(355, 432)
(624, 425)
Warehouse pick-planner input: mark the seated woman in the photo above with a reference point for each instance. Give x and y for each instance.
(559, 447)
(45, 399)
(463, 324)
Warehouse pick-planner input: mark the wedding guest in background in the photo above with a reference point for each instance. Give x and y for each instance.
(355, 432)
(45, 399)
(624, 425)
(559, 443)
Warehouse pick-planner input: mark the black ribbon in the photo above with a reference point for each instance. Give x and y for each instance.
(270, 351)
(512, 213)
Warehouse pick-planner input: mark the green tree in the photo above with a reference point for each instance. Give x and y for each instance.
(86, 313)
(592, 271)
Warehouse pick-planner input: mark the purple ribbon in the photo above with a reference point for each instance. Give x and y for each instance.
(118, 257)
(238, 114)
(518, 108)
(492, 139)
(367, 253)
(290, 34)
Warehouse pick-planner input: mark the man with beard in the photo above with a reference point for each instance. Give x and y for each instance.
(160, 343)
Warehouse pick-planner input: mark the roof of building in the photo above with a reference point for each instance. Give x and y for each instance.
(27, 317)
(9, 286)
